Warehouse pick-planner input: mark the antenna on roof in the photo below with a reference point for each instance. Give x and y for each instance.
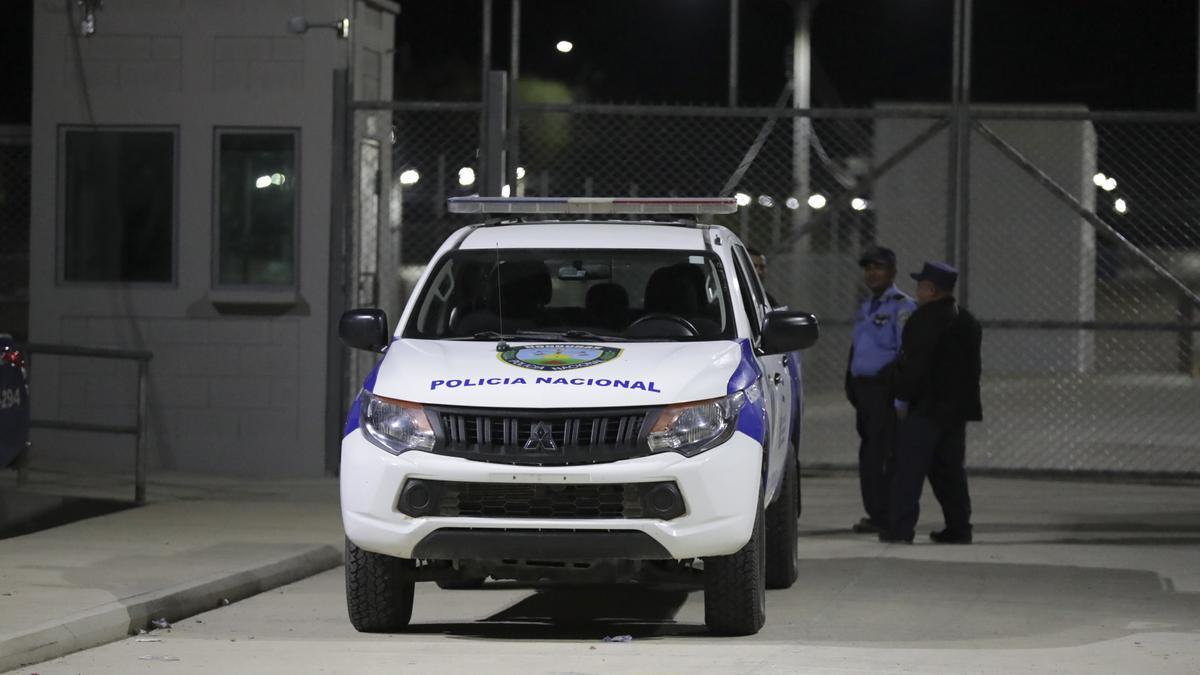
(501, 346)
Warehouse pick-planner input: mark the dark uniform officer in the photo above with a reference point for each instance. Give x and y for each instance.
(937, 393)
(876, 343)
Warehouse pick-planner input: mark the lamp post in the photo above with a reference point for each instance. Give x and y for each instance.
(958, 210)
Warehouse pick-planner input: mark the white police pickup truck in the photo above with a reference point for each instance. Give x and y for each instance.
(578, 399)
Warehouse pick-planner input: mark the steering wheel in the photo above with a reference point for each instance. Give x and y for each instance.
(665, 316)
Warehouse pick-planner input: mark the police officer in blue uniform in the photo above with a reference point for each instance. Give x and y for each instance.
(876, 344)
(936, 394)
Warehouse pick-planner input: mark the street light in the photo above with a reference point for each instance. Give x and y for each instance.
(792, 203)
(409, 177)
(858, 204)
(817, 201)
(564, 46)
(766, 200)
(742, 199)
(1110, 184)
(466, 176)
(1120, 206)
(1099, 179)
(299, 24)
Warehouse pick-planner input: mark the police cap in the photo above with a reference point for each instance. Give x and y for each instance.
(942, 275)
(878, 254)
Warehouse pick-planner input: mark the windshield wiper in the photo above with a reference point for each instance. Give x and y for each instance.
(554, 336)
(578, 334)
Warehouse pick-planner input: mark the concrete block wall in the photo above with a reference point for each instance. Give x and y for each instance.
(238, 380)
(1030, 257)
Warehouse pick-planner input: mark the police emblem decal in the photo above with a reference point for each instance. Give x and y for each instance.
(558, 357)
(541, 437)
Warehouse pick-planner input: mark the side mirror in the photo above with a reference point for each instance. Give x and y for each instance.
(788, 331)
(365, 329)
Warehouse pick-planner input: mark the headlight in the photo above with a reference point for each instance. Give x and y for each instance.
(395, 426)
(692, 428)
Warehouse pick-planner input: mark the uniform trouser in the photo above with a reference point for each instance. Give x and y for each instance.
(927, 447)
(875, 419)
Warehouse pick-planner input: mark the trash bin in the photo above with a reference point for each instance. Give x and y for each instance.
(14, 403)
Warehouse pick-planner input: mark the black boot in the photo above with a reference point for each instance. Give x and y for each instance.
(948, 536)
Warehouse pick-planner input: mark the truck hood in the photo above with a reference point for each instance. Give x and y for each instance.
(543, 375)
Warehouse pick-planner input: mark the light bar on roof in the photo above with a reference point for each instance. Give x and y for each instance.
(593, 205)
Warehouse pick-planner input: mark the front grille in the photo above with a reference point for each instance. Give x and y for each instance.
(540, 437)
(536, 500)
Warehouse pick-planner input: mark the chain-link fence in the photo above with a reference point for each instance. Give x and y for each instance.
(1081, 255)
(14, 231)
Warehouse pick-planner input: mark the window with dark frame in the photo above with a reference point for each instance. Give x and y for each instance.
(256, 186)
(119, 188)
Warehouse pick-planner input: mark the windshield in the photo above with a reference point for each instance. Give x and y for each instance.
(573, 295)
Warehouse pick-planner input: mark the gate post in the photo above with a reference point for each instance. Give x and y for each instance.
(495, 134)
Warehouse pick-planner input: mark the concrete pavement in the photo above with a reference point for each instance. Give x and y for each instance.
(201, 542)
(1064, 577)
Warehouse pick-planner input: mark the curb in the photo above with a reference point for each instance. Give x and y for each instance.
(121, 618)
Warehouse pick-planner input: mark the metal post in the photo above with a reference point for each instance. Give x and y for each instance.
(733, 53)
(23, 460)
(953, 157)
(139, 448)
(496, 131)
(801, 99)
(514, 72)
(340, 267)
(1187, 353)
(439, 193)
(964, 157)
(485, 66)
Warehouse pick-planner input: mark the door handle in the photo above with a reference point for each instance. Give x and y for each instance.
(777, 378)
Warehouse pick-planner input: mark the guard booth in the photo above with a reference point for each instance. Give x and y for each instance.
(187, 162)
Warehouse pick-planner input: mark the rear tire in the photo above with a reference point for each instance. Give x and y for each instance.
(734, 586)
(379, 590)
(783, 531)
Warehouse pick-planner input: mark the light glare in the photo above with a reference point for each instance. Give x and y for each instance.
(1120, 206)
(466, 176)
(564, 46)
(409, 177)
(792, 203)
(817, 201)
(742, 198)
(858, 204)
(1110, 184)
(262, 182)
(1099, 179)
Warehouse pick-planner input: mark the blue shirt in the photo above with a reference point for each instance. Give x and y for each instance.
(877, 328)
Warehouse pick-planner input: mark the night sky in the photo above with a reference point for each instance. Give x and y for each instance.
(1108, 54)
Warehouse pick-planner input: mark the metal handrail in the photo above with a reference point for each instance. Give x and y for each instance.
(138, 430)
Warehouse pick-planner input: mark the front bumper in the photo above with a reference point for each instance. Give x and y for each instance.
(720, 488)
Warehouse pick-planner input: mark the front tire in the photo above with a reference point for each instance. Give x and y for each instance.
(783, 531)
(379, 590)
(734, 586)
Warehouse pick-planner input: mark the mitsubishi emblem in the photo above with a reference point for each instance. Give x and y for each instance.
(541, 437)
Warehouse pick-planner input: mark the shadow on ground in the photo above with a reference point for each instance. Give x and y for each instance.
(873, 601)
(24, 513)
(580, 613)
